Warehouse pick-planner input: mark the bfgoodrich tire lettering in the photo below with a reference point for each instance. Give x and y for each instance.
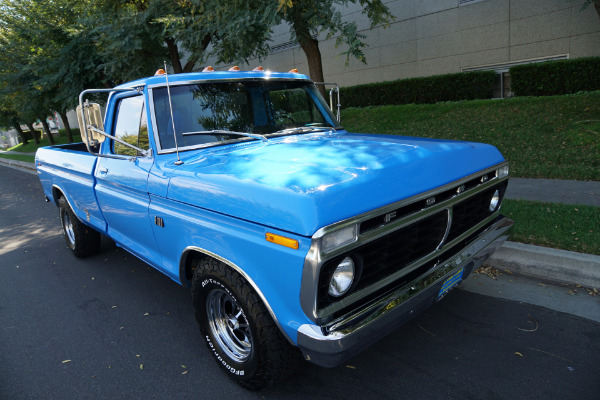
(237, 328)
(82, 240)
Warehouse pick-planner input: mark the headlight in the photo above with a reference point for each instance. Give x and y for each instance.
(495, 201)
(334, 240)
(342, 278)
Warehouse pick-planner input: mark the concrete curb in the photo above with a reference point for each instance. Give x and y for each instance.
(549, 264)
(20, 165)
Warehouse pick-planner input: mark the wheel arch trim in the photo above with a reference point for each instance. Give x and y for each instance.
(183, 265)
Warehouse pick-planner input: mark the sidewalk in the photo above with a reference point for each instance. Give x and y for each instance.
(535, 261)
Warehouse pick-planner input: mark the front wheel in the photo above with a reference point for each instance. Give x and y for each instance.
(238, 330)
(81, 239)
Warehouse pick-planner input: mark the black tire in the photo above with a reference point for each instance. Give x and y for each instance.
(81, 239)
(237, 328)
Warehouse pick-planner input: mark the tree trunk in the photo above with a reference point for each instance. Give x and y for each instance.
(189, 65)
(597, 7)
(174, 55)
(20, 131)
(47, 130)
(33, 133)
(65, 120)
(310, 46)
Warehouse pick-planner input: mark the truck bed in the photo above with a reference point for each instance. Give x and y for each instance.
(68, 170)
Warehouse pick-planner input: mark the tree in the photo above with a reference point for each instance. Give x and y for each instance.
(596, 4)
(309, 18)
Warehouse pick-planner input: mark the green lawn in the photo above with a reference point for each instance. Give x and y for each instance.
(19, 157)
(575, 228)
(555, 137)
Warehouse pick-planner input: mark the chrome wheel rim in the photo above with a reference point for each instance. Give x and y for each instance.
(68, 228)
(229, 325)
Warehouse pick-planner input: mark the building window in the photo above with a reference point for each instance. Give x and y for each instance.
(467, 2)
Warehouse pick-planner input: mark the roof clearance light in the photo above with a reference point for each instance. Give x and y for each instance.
(234, 68)
(208, 69)
(160, 72)
(294, 70)
(282, 240)
(258, 69)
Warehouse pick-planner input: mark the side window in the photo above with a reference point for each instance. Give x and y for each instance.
(131, 126)
(293, 107)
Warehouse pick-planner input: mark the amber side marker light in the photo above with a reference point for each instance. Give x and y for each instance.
(293, 71)
(234, 68)
(159, 72)
(208, 69)
(258, 69)
(282, 240)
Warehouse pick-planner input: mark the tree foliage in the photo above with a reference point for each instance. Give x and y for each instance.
(51, 50)
(309, 18)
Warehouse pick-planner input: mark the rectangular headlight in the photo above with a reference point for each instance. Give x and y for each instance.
(342, 237)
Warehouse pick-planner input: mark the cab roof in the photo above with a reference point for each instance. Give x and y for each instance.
(159, 80)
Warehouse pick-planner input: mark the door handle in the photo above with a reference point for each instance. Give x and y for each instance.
(103, 170)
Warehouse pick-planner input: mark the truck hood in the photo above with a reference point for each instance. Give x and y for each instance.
(301, 183)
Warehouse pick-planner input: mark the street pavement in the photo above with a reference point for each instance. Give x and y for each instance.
(110, 326)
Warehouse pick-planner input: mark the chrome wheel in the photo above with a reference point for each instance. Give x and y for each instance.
(68, 228)
(229, 325)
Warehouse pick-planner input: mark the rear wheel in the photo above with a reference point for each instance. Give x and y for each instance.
(82, 240)
(237, 328)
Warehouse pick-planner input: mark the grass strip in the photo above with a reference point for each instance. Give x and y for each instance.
(562, 226)
(31, 147)
(19, 157)
(554, 137)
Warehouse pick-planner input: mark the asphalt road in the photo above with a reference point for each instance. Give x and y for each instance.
(111, 327)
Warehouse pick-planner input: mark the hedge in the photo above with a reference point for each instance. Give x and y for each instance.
(556, 77)
(29, 135)
(431, 89)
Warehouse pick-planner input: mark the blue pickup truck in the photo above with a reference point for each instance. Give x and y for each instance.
(295, 236)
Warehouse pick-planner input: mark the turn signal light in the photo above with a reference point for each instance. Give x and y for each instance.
(259, 68)
(159, 72)
(208, 69)
(282, 240)
(234, 68)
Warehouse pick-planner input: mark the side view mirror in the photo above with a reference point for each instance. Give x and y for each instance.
(93, 117)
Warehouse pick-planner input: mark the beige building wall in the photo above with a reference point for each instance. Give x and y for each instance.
(430, 37)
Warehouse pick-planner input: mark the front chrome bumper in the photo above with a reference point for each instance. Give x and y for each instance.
(350, 336)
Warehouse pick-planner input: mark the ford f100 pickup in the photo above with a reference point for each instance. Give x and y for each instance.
(295, 236)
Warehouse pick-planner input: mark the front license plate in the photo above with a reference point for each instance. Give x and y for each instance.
(450, 283)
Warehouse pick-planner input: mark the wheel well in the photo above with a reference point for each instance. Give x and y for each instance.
(189, 261)
(56, 195)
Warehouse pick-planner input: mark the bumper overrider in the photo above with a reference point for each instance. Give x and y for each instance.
(329, 346)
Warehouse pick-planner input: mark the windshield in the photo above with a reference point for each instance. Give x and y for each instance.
(203, 112)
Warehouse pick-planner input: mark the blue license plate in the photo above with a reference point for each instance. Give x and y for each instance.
(450, 283)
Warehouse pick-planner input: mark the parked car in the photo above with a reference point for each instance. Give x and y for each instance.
(295, 236)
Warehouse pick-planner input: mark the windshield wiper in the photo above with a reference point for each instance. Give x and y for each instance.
(224, 132)
(305, 129)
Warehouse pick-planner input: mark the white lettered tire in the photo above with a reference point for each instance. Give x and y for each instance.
(238, 330)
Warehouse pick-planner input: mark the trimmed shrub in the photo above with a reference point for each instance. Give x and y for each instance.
(556, 77)
(430, 89)
(29, 134)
